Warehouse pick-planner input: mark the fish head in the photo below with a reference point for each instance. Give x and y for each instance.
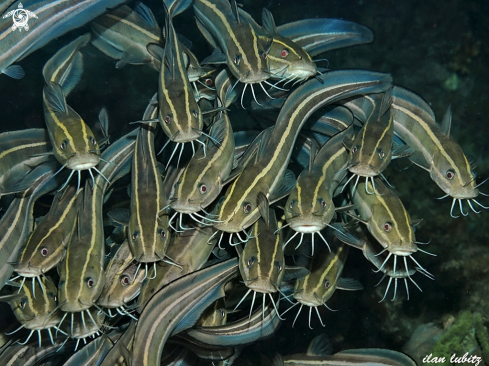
(309, 207)
(287, 60)
(369, 158)
(78, 291)
(40, 258)
(214, 316)
(78, 150)
(451, 171)
(148, 237)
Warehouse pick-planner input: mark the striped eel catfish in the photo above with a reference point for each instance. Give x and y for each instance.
(435, 150)
(124, 33)
(66, 66)
(309, 207)
(358, 239)
(316, 36)
(389, 223)
(260, 181)
(46, 245)
(123, 281)
(214, 316)
(92, 354)
(18, 220)
(53, 19)
(287, 60)
(19, 152)
(371, 149)
(191, 248)
(262, 262)
(80, 328)
(178, 112)
(203, 178)
(148, 230)
(30, 355)
(317, 287)
(176, 308)
(35, 312)
(82, 276)
(319, 353)
(238, 41)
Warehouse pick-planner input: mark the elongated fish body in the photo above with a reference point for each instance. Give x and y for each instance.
(202, 180)
(149, 231)
(30, 354)
(244, 46)
(386, 218)
(115, 357)
(19, 152)
(121, 285)
(163, 314)
(92, 354)
(74, 144)
(262, 262)
(325, 270)
(66, 66)
(286, 59)
(46, 246)
(54, 18)
(372, 148)
(5, 5)
(17, 221)
(191, 249)
(316, 36)
(247, 330)
(33, 306)
(124, 33)
(435, 149)
(82, 276)
(310, 206)
(238, 209)
(178, 112)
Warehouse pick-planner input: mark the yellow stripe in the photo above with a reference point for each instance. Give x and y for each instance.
(17, 148)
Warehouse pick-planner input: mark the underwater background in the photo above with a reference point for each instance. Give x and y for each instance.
(439, 50)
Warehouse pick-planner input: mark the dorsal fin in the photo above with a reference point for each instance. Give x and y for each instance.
(234, 9)
(446, 123)
(312, 152)
(268, 22)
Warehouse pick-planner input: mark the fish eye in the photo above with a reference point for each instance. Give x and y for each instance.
(125, 280)
(93, 141)
(279, 267)
(387, 226)
(250, 262)
(450, 174)
(264, 55)
(284, 52)
(381, 154)
(354, 149)
(90, 282)
(195, 114)
(291, 204)
(134, 236)
(44, 251)
(247, 208)
(22, 304)
(203, 189)
(53, 296)
(63, 145)
(323, 203)
(327, 284)
(208, 82)
(167, 119)
(237, 60)
(223, 313)
(162, 234)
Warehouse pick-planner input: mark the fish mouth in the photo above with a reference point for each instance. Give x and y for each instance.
(185, 207)
(404, 252)
(363, 170)
(307, 300)
(83, 161)
(28, 271)
(188, 136)
(263, 286)
(307, 228)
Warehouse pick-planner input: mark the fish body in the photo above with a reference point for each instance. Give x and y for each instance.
(163, 314)
(74, 144)
(434, 149)
(46, 245)
(238, 208)
(53, 19)
(310, 207)
(149, 231)
(243, 45)
(203, 178)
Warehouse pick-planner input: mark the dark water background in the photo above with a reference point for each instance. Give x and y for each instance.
(437, 49)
